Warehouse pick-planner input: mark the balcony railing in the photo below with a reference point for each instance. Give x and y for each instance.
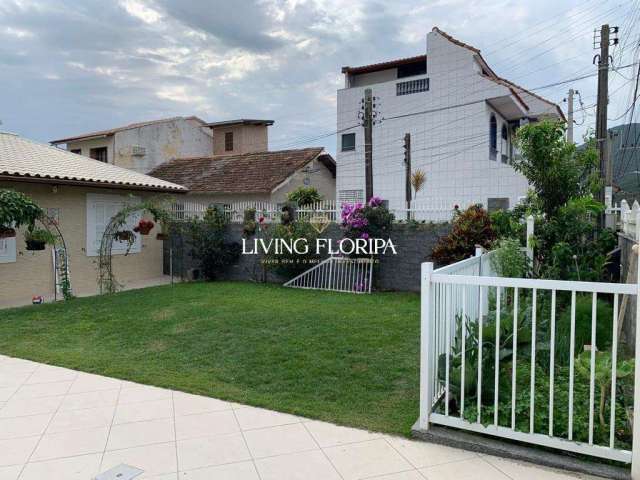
(412, 86)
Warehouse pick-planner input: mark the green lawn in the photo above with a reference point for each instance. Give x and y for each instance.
(349, 359)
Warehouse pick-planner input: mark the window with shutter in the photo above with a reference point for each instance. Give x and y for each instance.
(100, 209)
(7, 250)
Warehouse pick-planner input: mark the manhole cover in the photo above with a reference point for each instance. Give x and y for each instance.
(121, 472)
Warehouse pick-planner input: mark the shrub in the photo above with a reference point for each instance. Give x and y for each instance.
(373, 220)
(509, 260)
(304, 196)
(290, 264)
(17, 209)
(209, 245)
(470, 228)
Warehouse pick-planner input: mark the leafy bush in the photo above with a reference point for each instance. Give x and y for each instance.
(373, 220)
(509, 260)
(209, 245)
(249, 222)
(290, 264)
(470, 228)
(304, 196)
(17, 209)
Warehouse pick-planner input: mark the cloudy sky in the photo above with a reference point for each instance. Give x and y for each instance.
(71, 66)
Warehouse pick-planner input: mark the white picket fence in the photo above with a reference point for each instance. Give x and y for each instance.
(626, 217)
(339, 274)
(429, 210)
(470, 290)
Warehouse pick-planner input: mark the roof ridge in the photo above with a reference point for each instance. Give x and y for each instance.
(455, 40)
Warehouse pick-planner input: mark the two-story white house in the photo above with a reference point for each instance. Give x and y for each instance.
(460, 117)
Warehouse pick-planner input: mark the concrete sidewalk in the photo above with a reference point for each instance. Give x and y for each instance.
(57, 423)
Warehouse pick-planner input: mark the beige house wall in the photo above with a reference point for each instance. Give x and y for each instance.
(246, 139)
(86, 145)
(32, 273)
(319, 177)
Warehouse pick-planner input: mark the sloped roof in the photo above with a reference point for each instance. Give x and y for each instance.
(258, 172)
(22, 159)
(241, 121)
(111, 131)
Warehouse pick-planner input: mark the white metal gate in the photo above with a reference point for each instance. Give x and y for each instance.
(340, 274)
(465, 301)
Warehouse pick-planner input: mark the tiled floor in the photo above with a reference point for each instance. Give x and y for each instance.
(57, 423)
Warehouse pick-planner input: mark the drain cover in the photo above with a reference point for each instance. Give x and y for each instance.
(121, 472)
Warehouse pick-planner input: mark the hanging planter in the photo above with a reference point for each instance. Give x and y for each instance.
(144, 227)
(125, 236)
(6, 232)
(37, 239)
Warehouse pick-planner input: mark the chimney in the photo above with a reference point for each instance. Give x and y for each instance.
(237, 137)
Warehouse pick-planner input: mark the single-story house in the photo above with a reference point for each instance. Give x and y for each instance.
(80, 195)
(252, 177)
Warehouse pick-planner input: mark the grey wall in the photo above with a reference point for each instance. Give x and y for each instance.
(393, 272)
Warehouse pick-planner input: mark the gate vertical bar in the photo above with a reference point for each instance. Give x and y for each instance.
(426, 395)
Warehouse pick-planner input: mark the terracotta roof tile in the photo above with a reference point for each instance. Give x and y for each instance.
(248, 173)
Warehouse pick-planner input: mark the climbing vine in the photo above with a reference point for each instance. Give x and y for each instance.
(117, 229)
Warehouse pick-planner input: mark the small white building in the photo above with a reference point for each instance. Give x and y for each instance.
(460, 116)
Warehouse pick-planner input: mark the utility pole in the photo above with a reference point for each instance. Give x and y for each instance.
(368, 146)
(570, 115)
(407, 175)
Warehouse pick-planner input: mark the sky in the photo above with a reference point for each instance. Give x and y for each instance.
(73, 66)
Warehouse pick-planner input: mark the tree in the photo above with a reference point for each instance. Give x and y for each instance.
(304, 195)
(554, 168)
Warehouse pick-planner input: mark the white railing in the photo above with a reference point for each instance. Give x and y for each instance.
(339, 274)
(430, 210)
(464, 376)
(626, 217)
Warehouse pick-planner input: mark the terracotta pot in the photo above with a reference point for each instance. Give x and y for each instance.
(7, 232)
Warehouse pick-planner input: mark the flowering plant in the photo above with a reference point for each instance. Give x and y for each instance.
(372, 220)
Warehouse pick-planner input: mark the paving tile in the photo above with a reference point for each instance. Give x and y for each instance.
(18, 407)
(271, 441)
(297, 466)
(423, 454)
(206, 424)
(139, 411)
(37, 390)
(155, 460)
(28, 426)
(16, 451)
(210, 451)
(20, 365)
(187, 404)
(88, 382)
(329, 435)
(141, 433)
(101, 398)
(473, 469)
(10, 473)
(233, 471)
(81, 467)
(528, 471)
(143, 394)
(48, 373)
(67, 420)
(7, 392)
(67, 444)
(410, 475)
(366, 459)
(251, 417)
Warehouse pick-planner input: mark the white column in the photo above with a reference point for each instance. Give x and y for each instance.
(635, 452)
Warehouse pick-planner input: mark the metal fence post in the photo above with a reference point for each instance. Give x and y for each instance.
(426, 332)
(635, 448)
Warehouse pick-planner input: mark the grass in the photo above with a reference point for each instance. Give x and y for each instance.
(349, 359)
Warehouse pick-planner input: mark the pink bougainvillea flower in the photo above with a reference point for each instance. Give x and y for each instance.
(261, 219)
(364, 235)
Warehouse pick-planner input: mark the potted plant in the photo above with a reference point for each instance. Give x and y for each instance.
(144, 227)
(7, 232)
(37, 238)
(125, 236)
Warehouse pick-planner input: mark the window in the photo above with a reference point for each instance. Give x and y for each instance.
(504, 144)
(411, 69)
(228, 141)
(99, 154)
(348, 142)
(77, 151)
(493, 137)
(8, 250)
(100, 209)
(494, 204)
(351, 196)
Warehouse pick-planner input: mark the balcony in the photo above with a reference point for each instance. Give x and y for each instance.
(412, 86)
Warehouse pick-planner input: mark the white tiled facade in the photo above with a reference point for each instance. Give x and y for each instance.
(450, 145)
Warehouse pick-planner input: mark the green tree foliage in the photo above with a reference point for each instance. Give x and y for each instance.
(209, 244)
(470, 228)
(304, 196)
(290, 264)
(17, 209)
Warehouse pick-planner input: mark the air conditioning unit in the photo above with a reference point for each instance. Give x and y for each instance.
(138, 151)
